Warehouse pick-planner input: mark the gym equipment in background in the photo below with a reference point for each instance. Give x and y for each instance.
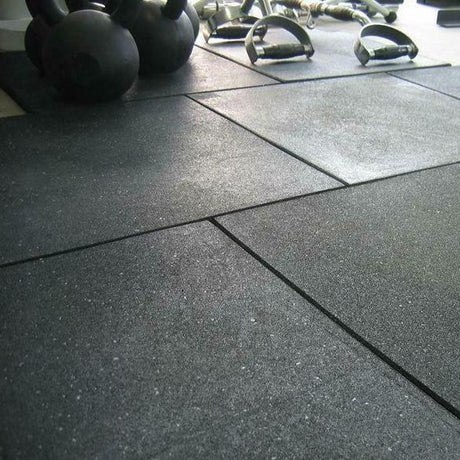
(370, 7)
(402, 45)
(449, 17)
(241, 20)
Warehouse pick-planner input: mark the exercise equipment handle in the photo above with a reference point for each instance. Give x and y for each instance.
(51, 11)
(174, 8)
(341, 13)
(126, 12)
(235, 31)
(403, 44)
(282, 51)
(391, 52)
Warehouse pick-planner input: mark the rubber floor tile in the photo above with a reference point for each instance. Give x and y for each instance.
(84, 176)
(358, 128)
(384, 258)
(444, 79)
(203, 72)
(333, 56)
(178, 344)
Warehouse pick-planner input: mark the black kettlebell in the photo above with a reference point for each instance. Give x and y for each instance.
(90, 55)
(77, 5)
(33, 7)
(36, 34)
(164, 36)
(189, 9)
(38, 29)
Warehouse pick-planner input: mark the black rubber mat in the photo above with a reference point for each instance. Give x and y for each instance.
(204, 72)
(357, 128)
(179, 344)
(78, 177)
(384, 258)
(333, 57)
(445, 80)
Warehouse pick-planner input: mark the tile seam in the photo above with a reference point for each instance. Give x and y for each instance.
(213, 216)
(272, 143)
(347, 329)
(228, 58)
(424, 86)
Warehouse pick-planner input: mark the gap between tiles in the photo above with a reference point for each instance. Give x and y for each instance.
(215, 216)
(265, 74)
(196, 93)
(272, 143)
(423, 86)
(382, 356)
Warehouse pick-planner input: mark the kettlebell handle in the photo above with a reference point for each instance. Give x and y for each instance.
(50, 9)
(33, 7)
(125, 13)
(174, 8)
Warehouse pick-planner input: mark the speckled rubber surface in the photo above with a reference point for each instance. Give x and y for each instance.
(357, 128)
(203, 72)
(382, 257)
(444, 80)
(178, 344)
(333, 57)
(84, 176)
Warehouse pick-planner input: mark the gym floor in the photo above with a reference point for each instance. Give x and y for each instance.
(236, 261)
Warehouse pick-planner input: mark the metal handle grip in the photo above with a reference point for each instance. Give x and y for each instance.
(341, 13)
(282, 51)
(391, 52)
(237, 31)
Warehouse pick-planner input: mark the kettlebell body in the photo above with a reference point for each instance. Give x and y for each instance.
(190, 11)
(35, 37)
(164, 36)
(38, 30)
(89, 56)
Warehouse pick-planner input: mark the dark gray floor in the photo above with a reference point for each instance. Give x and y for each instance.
(446, 81)
(179, 344)
(358, 128)
(203, 72)
(383, 257)
(86, 176)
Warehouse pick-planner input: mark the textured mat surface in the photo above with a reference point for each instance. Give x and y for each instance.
(333, 56)
(383, 257)
(204, 72)
(84, 176)
(179, 344)
(358, 128)
(445, 79)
